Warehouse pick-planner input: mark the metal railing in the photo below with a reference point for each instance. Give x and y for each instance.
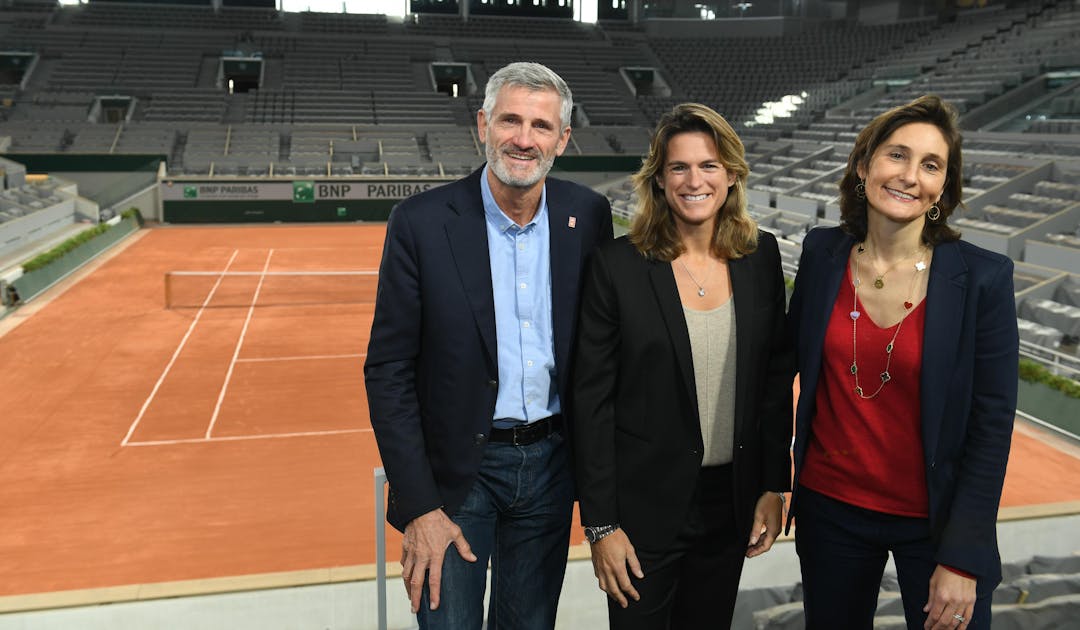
(1058, 362)
(1049, 426)
(380, 546)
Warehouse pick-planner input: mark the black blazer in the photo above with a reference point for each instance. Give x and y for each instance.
(431, 370)
(638, 445)
(968, 382)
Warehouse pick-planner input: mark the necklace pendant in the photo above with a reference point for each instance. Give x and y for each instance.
(920, 266)
(854, 368)
(854, 315)
(701, 292)
(858, 390)
(888, 348)
(885, 377)
(879, 283)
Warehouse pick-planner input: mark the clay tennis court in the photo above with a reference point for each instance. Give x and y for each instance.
(226, 437)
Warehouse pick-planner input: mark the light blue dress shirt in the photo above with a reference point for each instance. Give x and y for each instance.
(521, 285)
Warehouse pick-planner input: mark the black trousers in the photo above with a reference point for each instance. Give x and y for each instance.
(693, 584)
(843, 550)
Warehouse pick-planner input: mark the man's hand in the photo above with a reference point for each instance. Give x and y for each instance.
(610, 557)
(422, 550)
(768, 514)
(951, 594)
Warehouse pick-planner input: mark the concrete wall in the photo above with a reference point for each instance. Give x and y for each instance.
(21, 231)
(352, 605)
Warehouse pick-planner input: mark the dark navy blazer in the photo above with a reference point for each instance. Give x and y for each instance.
(431, 370)
(968, 382)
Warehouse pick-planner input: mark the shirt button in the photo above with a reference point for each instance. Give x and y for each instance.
(523, 285)
(528, 363)
(479, 438)
(493, 383)
(521, 246)
(526, 324)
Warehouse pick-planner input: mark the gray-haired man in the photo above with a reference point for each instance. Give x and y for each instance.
(467, 365)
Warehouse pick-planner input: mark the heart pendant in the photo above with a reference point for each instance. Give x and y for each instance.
(854, 314)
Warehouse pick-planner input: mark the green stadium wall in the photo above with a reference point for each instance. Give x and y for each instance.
(1049, 405)
(269, 200)
(32, 283)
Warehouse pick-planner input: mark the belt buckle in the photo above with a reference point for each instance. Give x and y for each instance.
(521, 431)
(527, 433)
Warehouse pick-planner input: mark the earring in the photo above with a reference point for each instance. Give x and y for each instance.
(934, 213)
(860, 190)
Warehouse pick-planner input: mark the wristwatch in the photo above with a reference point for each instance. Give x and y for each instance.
(599, 532)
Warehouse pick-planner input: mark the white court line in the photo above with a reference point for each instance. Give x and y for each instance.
(239, 344)
(168, 366)
(303, 358)
(236, 438)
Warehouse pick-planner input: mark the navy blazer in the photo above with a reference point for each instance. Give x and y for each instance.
(431, 370)
(638, 446)
(968, 382)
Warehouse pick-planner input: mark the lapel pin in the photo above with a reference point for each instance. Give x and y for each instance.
(571, 222)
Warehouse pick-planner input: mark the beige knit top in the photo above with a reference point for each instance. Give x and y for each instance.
(712, 345)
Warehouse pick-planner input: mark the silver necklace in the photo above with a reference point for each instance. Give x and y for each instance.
(885, 376)
(700, 286)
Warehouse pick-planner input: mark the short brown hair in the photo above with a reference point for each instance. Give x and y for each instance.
(925, 109)
(653, 232)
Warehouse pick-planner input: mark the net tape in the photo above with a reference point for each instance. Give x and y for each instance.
(244, 289)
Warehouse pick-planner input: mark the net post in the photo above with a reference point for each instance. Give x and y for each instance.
(380, 546)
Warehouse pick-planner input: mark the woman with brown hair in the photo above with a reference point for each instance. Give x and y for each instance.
(907, 352)
(682, 387)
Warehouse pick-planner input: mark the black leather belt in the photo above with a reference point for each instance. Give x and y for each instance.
(528, 433)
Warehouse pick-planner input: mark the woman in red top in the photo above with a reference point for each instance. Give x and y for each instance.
(907, 350)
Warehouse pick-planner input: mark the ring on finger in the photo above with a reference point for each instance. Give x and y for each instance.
(958, 617)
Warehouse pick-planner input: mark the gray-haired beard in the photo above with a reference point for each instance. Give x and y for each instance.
(495, 162)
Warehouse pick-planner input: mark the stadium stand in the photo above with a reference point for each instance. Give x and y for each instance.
(358, 99)
(170, 65)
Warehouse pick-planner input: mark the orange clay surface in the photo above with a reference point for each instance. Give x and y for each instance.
(140, 444)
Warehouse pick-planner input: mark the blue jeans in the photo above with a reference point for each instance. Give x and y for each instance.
(517, 515)
(843, 550)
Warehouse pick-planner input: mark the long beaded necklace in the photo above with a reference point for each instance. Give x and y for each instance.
(885, 376)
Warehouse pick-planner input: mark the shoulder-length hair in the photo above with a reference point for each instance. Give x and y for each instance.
(653, 231)
(925, 109)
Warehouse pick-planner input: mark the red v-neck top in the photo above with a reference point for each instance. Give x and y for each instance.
(869, 452)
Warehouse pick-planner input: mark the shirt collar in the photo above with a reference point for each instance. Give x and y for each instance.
(497, 218)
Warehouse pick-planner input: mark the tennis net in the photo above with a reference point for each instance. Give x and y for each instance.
(243, 289)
